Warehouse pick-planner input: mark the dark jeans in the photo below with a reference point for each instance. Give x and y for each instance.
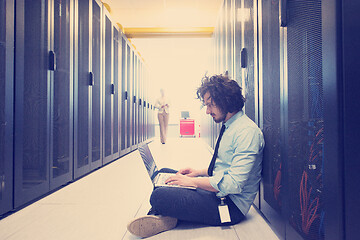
(197, 206)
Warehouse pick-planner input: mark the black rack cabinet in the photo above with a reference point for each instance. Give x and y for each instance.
(32, 101)
(139, 101)
(249, 53)
(238, 40)
(291, 114)
(6, 104)
(111, 83)
(340, 21)
(61, 117)
(43, 98)
(71, 96)
(116, 91)
(120, 90)
(303, 121)
(130, 100)
(142, 104)
(108, 90)
(297, 62)
(136, 100)
(127, 97)
(87, 87)
(271, 194)
(96, 107)
(124, 97)
(133, 106)
(229, 42)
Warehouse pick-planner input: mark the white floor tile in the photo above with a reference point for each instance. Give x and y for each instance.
(100, 205)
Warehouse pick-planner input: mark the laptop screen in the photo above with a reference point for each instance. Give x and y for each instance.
(148, 160)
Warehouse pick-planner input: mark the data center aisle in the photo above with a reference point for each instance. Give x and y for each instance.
(100, 205)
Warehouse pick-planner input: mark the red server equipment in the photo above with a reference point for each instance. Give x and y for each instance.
(187, 127)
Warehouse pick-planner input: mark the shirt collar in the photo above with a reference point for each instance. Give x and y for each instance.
(238, 115)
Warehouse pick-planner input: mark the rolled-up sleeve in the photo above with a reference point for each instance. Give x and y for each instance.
(244, 151)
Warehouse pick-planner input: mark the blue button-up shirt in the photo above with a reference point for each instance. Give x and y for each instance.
(237, 171)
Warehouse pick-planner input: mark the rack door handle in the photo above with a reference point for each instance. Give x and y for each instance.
(283, 13)
(52, 61)
(91, 79)
(112, 89)
(243, 58)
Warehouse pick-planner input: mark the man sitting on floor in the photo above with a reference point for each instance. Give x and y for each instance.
(225, 191)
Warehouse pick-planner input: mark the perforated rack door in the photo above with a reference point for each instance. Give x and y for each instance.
(305, 119)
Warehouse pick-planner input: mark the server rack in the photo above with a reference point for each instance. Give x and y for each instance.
(302, 96)
(303, 120)
(6, 103)
(108, 88)
(61, 97)
(43, 109)
(238, 39)
(152, 120)
(150, 133)
(124, 96)
(53, 122)
(147, 104)
(135, 115)
(340, 20)
(120, 91)
(96, 85)
(249, 81)
(229, 37)
(115, 92)
(133, 99)
(32, 101)
(129, 99)
(111, 149)
(271, 196)
(87, 87)
(133, 106)
(291, 116)
(141, 100)
(129, 80)
(144, 102)
(222, 41)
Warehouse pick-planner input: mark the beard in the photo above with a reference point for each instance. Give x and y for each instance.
(218, 119)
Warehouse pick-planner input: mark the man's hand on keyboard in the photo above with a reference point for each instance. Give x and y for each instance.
(182, 180)
(190, 172)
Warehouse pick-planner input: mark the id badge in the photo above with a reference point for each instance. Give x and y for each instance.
(224, 212)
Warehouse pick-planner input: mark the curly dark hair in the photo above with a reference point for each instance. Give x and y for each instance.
(224, 92)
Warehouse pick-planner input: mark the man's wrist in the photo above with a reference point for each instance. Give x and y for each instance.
(194, 182)
(204, 172)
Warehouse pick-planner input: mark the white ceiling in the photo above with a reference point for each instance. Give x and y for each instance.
(164, 13)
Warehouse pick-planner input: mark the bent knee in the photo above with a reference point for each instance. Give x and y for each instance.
(167, 197)
(158, 196)
(158, 199)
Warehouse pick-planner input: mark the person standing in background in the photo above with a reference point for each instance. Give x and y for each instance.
(163, 105)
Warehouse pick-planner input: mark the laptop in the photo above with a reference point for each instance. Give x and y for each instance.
(157, 177)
